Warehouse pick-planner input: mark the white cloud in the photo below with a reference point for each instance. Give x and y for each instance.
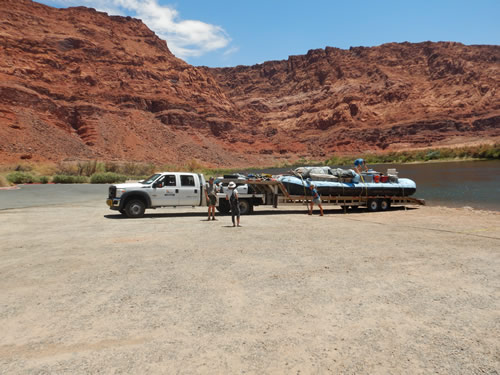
(185, 38)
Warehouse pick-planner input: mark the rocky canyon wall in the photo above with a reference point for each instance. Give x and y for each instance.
(391, 97)
(79, 84)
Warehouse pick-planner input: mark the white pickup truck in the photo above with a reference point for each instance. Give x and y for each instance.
(171, 189)
(166, 189)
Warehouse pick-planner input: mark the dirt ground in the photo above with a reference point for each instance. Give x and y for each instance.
(400, 292)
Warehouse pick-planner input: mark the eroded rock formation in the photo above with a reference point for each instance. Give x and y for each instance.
(76, 83)
(395, 96)
(79, 84)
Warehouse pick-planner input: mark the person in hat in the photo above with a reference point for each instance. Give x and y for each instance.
(232, 196)
(211, 195)
(315, 199)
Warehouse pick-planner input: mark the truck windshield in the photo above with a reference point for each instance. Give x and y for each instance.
(150, 179)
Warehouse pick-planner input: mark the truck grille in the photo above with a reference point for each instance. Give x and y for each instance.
(112, 192)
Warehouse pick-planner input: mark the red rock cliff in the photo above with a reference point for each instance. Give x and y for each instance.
(395, 96)
(78, 84)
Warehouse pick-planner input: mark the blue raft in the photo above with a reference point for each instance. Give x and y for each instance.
(338, 182)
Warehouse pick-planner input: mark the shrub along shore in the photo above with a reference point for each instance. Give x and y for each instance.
(97, 172)
(483, 152)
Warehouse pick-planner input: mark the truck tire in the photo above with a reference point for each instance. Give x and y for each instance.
(135, 208)
(245, 207)
(384, 204)
(373, 205)
(223, 206)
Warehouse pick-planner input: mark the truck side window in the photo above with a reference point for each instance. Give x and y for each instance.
(169, 180)
(187, 180)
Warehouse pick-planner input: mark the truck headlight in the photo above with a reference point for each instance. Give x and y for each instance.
(119, 192)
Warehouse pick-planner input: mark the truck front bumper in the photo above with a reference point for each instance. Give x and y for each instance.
(114, 203)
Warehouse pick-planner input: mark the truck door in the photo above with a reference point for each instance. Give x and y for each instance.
(189, 190)
(165, 192)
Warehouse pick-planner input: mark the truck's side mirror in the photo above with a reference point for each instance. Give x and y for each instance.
(157, 185)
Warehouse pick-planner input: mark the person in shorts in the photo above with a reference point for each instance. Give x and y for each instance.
(211, 195)
(232, 197)
(316, 199)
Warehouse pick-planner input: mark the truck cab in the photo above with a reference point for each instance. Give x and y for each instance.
(165, 189)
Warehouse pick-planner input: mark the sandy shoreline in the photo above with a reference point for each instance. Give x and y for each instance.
(404, 291)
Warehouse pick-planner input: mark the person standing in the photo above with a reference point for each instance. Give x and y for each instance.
(211, 195)
(316, 199)
(232, 196)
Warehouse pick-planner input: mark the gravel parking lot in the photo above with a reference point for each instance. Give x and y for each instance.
(405, 291)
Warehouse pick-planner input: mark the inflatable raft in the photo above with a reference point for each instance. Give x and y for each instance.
(346, 182)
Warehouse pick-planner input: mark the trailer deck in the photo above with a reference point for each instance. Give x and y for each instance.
(273, 192)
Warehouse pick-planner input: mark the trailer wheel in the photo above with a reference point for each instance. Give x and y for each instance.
(135, 208)
(385, 204)
(245, 207)
(373, 205)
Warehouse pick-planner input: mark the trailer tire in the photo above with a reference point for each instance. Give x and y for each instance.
(384, 204)
(373, 205)
(135, 208)
(245, 207)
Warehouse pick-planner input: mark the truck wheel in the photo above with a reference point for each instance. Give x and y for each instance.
(245, 207)
(373, 205)
(223, 207)
(385, 204)
(135, 208)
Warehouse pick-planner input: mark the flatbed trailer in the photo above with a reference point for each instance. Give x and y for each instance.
(273, 193)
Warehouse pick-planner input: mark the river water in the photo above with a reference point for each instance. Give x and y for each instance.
(453, 184)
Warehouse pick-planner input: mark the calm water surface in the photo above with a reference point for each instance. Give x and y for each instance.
(454, 184)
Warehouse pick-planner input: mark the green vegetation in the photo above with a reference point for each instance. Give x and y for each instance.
(112, 172)
(68, 179)
(21, 178)
(75, 172)
(90, 167)
(196, 166)
(107, 178)
(459, 153)
(129, 169)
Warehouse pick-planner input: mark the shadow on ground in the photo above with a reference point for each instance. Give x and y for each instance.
(256, 213)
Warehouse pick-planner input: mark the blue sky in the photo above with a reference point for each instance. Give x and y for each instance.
(221, 33)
